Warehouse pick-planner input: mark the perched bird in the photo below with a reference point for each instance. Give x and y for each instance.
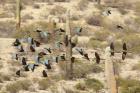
(16, 43)
(109, 11)
(66, 41)
(24, 61)
(62, 30)
(86, 56)
(32, 48)
(112, 49)
(80, 51)
(18, 73)
(63, 57)
(26, 68)
(73, 59)
(44, 73)
(119, 27)
(49, 50)
(124, 51)
(37, 43)
(41, 54)
(21, 49)
(56, 59)
(97, 58)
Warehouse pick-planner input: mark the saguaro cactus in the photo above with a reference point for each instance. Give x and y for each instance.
(69, 46)
(18, 14)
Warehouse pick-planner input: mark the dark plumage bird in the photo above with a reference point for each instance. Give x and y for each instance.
(41, 54)
(38, 31)
(21, 49)
(109, 11)
(119, 27)
(72, 59)
(48, 66)
(44, 73)
(73, 45)
(26, 68)
(112, 48)
(97, 58)
(56, 59)
(18, 73)
(80, 51)
(66, 41)
(49, 50)
(16, 43)
(124, 51)
(24, 61)
(86, 56)
(16, 57)
(62, 30)
(37, 43)
(63, 57)
(32, 48)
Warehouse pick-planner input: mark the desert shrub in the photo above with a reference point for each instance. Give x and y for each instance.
(96, 44)
(122, 11)
(36, 6)
(128, 85)
(27, 16)
(58, 10)
(44, 84)
(94, 84)
(97, 69)
(29, 30)
(18, 85)
(136, 66)
(61, 0)
(67, 90)
(80, 86)
(82, 4)
(94, 20)
(4, 77)
(7, 28)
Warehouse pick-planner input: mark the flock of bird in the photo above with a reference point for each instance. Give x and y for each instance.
(41, 57)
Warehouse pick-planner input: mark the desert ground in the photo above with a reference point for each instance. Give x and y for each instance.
(110, 22)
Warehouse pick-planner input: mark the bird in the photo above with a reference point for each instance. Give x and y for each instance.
(56, 59)
(66, 41)
(16, 43)
(44, 73)
(26, 68)
(63, 57)
(16, 57)
(18, 73)
(32, 48)
(62, 30)
(86, 56)
(21, 49)
(124, 51)
(109, 11)
(38, 31)
(48, 65)
(72, 59)
(112, 49)
(37, 43)
(49, 50)
(119, 27)
(24, 61)
(97, 58)
(41, 54)
(80, 51)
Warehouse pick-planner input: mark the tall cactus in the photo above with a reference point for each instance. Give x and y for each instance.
(69, 47)
(18, 14)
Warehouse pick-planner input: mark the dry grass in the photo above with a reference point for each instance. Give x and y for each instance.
(44, 84)
(18, 85)
(82, 4)
(58, 10)
(94, 20)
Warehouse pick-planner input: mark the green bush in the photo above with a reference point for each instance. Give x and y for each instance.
(94, 84)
